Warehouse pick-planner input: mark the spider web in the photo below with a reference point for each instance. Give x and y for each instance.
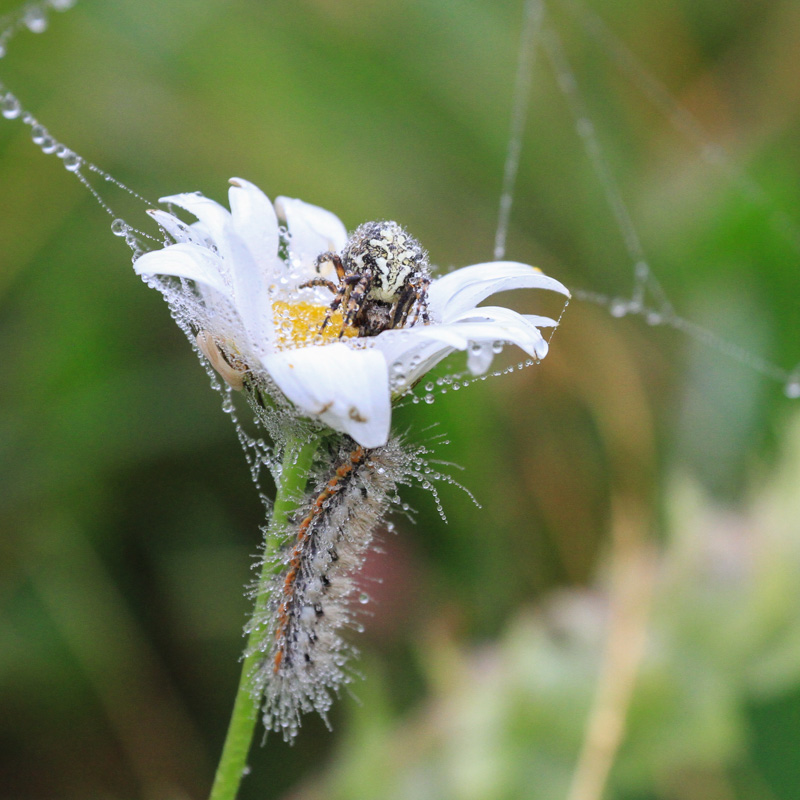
(647, 297)
(540, 41)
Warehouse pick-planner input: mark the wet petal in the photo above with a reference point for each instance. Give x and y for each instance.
(313, 230)
(188, 261)
(177, 229)
(413, 352)
(248, 284)
(256, 223)
(464, 288)
(346, 389)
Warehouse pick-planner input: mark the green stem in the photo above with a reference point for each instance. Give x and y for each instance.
(232, 763)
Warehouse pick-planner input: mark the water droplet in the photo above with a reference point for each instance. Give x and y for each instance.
(49, 145)
(497, 347)
(10, 107)
(36, 20)
(429, 398)
(38, 134)
(429, 386)
(397, 368)
(619, 308)
(654, 318)
(363, 598)
(72, 161)
(119, 227)
(792, 387)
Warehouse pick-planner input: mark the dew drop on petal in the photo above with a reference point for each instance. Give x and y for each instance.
(497, 347)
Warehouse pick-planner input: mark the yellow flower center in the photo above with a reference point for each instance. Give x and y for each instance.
(298, 325)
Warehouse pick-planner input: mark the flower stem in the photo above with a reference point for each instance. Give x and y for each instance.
(233, 762)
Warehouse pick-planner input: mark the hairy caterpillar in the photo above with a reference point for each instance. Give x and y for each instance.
(313, 592)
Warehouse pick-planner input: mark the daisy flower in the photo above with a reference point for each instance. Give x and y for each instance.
(259, 289)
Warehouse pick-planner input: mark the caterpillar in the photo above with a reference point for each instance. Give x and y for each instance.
(313, 591)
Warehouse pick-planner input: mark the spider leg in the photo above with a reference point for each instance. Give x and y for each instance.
(421, 296)
(357, 288)
(330, 258)
(335, 303)
(330, 285)
(402, 306)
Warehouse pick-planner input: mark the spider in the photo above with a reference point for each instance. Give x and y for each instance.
(383, 274)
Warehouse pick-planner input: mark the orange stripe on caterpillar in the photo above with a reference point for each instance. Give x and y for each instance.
(334, 485)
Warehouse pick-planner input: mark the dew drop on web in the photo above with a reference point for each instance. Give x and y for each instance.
(119, 227)
(792, 387)
(10, 107)
(39, 134)
(36, 20)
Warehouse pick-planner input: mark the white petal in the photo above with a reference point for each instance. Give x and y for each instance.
(464, 288)
(479, 357)
(409, 357)
(459, 335)
(215, 218)
(248, 284)
(474, 330)
(177, 229)
(346, 389)
(185, 261)
(540, 322)
(255, 221)
(313, 230)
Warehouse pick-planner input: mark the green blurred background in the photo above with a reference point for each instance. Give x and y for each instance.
(128, 517)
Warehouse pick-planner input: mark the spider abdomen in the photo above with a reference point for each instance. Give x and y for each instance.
(390, 254)
(383, 275)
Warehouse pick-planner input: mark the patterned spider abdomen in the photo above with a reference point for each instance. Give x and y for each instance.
(395, 258)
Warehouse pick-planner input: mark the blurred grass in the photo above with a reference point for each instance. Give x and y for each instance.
(128, 517)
